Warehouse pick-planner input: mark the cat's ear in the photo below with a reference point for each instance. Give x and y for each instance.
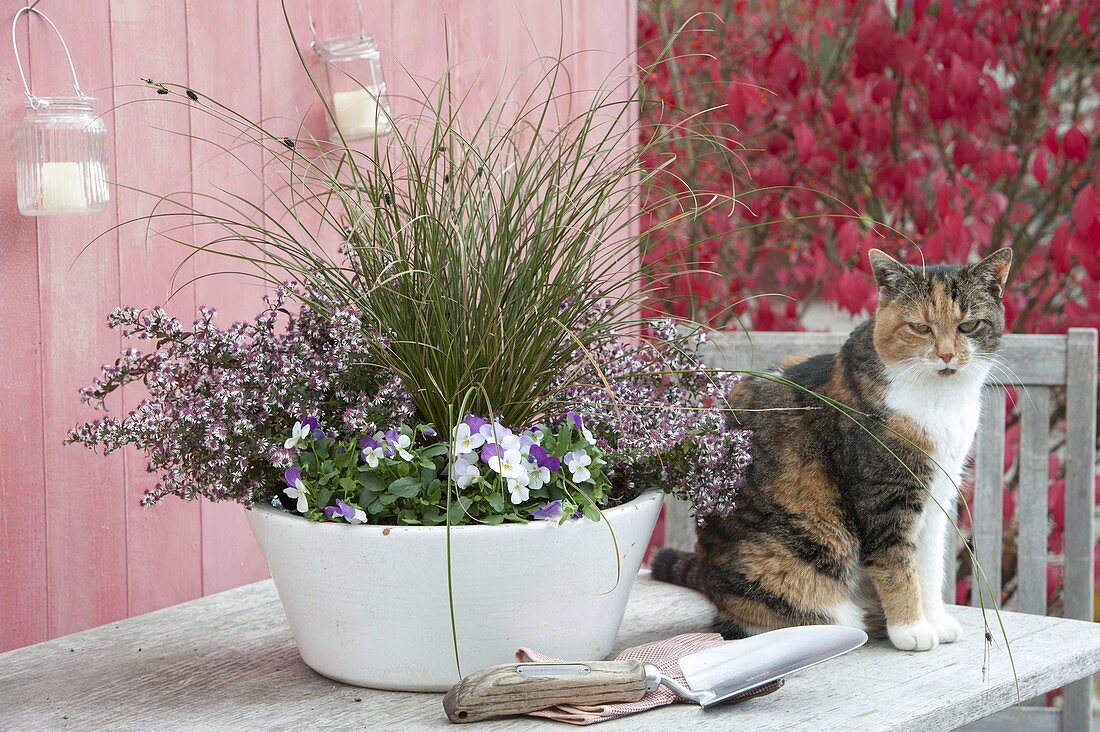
(890, 274)
(993, 270)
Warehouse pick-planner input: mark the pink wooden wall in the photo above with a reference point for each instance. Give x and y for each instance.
(76, 549)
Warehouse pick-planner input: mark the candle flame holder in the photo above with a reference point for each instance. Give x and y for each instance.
(60, 145)
(355, 86)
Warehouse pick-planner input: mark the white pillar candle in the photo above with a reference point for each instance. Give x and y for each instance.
(358, 113)
(62, 186)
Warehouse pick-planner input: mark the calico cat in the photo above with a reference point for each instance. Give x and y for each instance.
(829, 527)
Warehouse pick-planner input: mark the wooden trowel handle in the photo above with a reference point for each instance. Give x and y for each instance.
(518, 688)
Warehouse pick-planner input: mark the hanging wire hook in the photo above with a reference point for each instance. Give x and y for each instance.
(313, 28)
(35, 102)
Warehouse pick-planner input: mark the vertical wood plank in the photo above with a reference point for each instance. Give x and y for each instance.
(22, 533)
(86, 548)
(163, 544)
(951, 554)
(414, 62)
(1080, 531)
(224, 63)
(1031, 555)
(988, 495)
(679, 525)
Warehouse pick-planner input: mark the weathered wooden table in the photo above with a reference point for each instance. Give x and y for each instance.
(228, 662)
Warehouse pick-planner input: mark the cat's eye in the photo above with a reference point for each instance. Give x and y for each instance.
(920, 328)
(969, 326)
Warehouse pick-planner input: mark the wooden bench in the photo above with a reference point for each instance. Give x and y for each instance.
(1036, 365)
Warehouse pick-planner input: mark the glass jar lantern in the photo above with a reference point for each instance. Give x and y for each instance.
(356, 87)
(60, 148)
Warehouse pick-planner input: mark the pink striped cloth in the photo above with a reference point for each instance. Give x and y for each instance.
(664, 654)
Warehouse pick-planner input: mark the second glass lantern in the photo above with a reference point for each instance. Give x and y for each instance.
(356, 87)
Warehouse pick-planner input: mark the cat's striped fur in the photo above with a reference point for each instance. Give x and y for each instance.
(829, 526)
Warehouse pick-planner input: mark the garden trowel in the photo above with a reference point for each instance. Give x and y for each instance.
(713, 676)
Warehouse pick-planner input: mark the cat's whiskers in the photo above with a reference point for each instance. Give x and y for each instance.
(1000, 367)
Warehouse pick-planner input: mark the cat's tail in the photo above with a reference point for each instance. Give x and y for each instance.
(677, 567)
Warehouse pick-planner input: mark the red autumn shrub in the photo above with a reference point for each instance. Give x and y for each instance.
(937, 131)
(939, 134)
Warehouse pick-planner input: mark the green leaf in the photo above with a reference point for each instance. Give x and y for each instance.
(371, 482)
(405, 487)
(497, 501)
(434, 451)
(458, 510)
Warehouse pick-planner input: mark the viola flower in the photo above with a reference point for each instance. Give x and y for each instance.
(496, 432)
(474, 422)
(578, 462)
(314, 428)
(400, 443)
(537, 476)
(467, 439)
(463, 472)
(349, 513)
(429, 431)
(552, 511)
(298, 433)
(509, 464)
(296, 489)
(490, 451)
(372, 450)
(544, 459)
(585, 432)
(518, 490)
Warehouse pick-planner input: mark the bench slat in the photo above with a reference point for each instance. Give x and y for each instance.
(988, 496)
(1080, 534)
(1031, 511)
(951, 556)
(1023, 359)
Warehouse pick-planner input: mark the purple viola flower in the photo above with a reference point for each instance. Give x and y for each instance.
(544, 459)
(346, 511)
(429, 431)
(398, 444)
(314, 428)
(550, 512)
(296, 490)
(492, 450)
(371, 450)
(580, 426)
(475, 423)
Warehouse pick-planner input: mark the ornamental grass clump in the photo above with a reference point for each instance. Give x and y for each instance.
(468, 278)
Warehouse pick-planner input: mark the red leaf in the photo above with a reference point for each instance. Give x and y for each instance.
(1039, 166)
(1084, 211)
(1059, 249)
(874, 44)
(1075, 144)
(804, 141)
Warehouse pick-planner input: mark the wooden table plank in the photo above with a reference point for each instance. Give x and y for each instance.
(228, 662)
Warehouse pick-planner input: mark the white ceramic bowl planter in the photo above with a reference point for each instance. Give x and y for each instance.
(368, 605)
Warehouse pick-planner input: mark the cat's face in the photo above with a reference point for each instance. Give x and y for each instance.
(939, 319)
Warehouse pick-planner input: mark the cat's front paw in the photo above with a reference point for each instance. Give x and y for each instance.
(947, 628)
(918, 636)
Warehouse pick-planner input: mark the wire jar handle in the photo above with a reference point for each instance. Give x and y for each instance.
(313, 28)
(36, 102)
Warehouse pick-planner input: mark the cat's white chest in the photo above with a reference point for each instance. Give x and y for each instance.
(947, 409)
